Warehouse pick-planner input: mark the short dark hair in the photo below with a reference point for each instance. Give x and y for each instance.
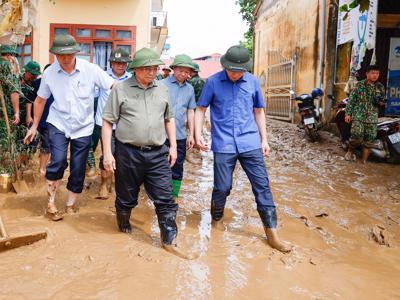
(372, 68)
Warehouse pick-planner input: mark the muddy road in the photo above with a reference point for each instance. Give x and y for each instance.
(342, 219)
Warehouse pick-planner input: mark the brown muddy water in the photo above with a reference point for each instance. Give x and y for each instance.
(342, 219)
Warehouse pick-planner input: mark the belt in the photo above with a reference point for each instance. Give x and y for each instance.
(144, 148)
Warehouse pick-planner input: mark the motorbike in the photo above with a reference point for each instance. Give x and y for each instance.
(386, 147)
(310, 109)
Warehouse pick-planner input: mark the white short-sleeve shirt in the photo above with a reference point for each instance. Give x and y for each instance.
(73, 107)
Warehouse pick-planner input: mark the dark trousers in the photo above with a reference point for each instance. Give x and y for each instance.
(177, 169)
(253, 164)
(150, 167)
(79, 149)
(91, 161)
(44, 140)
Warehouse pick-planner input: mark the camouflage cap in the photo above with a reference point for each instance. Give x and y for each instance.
(33, 67)
(145, 57)
(10, 49)
(182, 60)
(64, 44)
(120, 55)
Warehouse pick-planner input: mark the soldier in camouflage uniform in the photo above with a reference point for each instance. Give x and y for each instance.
(10, 87)
(31, 72)
(362, 110)
(196, 81)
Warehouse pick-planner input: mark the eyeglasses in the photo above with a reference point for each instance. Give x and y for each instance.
(186, 72)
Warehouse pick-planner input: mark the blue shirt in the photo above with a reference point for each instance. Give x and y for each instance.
(233, 125)
(103, 96)
(182, 99)
(49, 101)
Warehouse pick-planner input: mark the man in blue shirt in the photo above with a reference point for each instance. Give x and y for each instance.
(238, 132)
(119, 60)
(183, 104)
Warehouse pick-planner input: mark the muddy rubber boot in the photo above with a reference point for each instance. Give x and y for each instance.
(365, 154)
(104, 192)
(123, 217)
(269, 219)
(168, 227)
(217, 213)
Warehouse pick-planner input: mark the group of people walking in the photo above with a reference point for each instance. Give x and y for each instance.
(145, 127)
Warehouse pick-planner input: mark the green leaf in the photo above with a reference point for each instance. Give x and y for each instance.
(344, 8)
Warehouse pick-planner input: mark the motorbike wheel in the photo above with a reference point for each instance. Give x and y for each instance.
(311, 134)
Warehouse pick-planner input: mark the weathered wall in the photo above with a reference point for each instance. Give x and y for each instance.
(101, 12)
(291, 26)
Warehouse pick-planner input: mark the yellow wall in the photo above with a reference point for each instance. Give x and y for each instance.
(101, 12)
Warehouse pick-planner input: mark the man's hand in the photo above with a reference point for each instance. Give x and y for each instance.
(109, 162)
(265, 148)
(172, 156)
(29, 121)
(347, 119)
(16, 119)
(190, 142)
(201, 143)
(30, 135)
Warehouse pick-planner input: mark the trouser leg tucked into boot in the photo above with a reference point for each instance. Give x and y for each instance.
(123, 217)
(168, 227)
(176, 187)
(269, 219)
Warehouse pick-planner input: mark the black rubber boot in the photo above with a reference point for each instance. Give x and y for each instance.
(216, 212)
(168, 227)
(123, 217)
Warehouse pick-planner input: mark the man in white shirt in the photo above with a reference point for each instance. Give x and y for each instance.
(119, 59)
(72, 82)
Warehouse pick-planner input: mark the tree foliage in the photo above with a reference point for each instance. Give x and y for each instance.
(346, 8)
(247, 11)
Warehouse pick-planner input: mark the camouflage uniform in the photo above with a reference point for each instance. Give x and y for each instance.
(10, 84)
(197, 84)
(364, 112)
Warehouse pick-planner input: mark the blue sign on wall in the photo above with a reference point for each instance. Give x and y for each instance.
(393, 101)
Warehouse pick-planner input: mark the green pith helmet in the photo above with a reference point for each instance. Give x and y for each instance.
(196, 67)
(64, 44)
(120, 55)
(237, 58)
(10, 49)
(182, 60)
(32, 67)
(145, 57)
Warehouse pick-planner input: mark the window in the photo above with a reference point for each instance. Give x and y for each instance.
(97, 41)
(24, 51)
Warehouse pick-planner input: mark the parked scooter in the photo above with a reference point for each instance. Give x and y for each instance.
(310, 110)
(386, 147)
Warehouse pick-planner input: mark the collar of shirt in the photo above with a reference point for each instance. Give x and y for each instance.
(78, 66)
(172, 79)
(123, 77)
(223, 76)
(135, 83)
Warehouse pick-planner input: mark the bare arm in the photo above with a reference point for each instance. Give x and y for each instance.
(15, 104)
(259, 115)
(190, 118)
(198, 126)
(106, 134)
(38, 108)
(171, 133)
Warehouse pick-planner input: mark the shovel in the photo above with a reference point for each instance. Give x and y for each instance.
(7, 242)
(19, 185)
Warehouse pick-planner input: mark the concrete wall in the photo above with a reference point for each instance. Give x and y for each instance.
(290, 27)
(97, 12)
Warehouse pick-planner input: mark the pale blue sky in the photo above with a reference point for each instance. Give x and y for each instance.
(201, 27)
